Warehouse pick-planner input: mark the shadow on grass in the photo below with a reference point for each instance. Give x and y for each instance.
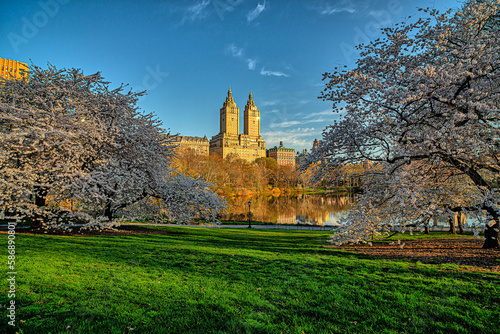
(200, 318)
(194, 250)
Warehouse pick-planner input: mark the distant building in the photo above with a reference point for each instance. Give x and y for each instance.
(284, 156)
(11, 69)
(300, 157)
(315, 144)
(199, 145)
(249, 145)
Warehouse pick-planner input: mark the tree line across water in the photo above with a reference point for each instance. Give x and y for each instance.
(235, 176)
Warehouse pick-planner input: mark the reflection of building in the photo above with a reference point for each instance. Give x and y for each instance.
(286, 219)
(11, 69)
(248, 146)
(317, 218)
(303, 209)
(197, 144)
(284, 156)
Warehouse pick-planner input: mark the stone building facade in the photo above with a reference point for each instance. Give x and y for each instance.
(199, 145)
(249, 145)
(284, 156)
(11, 69)
(301, 157)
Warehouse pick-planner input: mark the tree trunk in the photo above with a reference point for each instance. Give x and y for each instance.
(40, 201)
(426, 225)
(453, 229)
(491, 236)
(40, 196)
(491, 230)
(108, 211)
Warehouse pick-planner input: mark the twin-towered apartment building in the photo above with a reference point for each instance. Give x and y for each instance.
(248, 145)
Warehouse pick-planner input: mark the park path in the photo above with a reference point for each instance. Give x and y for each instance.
(277, 227)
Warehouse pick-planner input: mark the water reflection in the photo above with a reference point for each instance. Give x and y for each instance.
(320, 210)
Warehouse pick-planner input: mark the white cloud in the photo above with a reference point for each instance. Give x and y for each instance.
(196, 11)
(317, 120)
(221, 7)
(330, 10)
(321, 113)
(251, 63)
(269, 103)
(237, 52)
(273, 73)
(252, 15)
(342, 6)
(318, 117)
(272, 111)
(293, 138)
(328, 112)
(234, 51)
(285, 124)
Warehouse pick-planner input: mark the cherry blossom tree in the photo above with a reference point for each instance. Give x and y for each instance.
(69, 138)
(422, 104)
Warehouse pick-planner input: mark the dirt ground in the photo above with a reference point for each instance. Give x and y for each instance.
(460, 251)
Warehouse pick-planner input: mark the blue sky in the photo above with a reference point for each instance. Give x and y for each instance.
(186, 54)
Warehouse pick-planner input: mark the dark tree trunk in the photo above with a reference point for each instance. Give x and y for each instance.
(491, 236)
(40, 201)
(426, 225)
(491, 230)
(40, 196)
(453, 229)
(108, 211)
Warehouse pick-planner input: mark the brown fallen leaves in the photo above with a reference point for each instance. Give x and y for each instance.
(460, 251)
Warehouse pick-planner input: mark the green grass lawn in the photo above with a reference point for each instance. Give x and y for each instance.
(205, 280)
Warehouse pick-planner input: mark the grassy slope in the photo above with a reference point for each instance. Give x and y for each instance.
(197, 280)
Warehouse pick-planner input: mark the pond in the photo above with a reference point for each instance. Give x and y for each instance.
(307, 209)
